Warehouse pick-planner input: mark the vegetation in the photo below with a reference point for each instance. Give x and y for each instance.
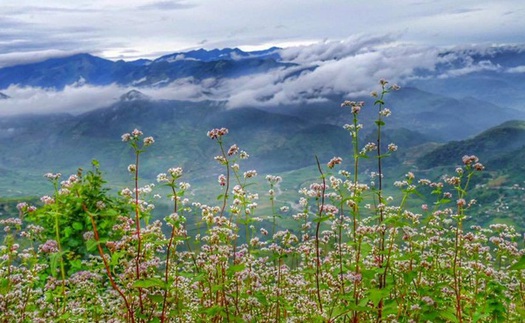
(354, 254)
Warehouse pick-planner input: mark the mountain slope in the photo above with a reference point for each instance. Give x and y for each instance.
(490, 145)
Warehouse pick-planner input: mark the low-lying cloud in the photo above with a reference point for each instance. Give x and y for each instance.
(350, 68)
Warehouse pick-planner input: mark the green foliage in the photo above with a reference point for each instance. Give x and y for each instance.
(66, 219)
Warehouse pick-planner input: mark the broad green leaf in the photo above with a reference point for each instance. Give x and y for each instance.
(149, 282)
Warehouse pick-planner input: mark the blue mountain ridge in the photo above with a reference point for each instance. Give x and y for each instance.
(57, 73)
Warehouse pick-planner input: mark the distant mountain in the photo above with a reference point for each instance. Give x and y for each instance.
(3, 96)
(221, 54)
(59, 72)
(134, 95)
(438, 117)
(498, 145)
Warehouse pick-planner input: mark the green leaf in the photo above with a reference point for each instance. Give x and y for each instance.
(236, 268)
(148, 282)
(156, 298)
(77, 226)
(519, 265)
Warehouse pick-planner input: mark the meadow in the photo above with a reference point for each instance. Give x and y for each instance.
(349, 252)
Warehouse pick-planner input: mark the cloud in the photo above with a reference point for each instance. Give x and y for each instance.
(74, 100)
(516, 69)
(349, 69)
(167, 5)
(11, 59)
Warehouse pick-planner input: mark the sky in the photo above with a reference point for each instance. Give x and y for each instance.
(130, 29)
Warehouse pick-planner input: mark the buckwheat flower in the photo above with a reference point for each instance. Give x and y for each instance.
(383, 82)
(428, 300)
(244, 155)
(222, 180)
(356, 109)
(50, 246)
(175, 172)
(461, 202)
(52, 176)
(284, 209)
(126, 137)
(264, 232)
(126, 192)
(369, 147)
(334, 161)
(235, 167)
(148, 141)
(100, 205)
(46, 199)
(136, 133)
(274, 180)
(233, 150)
(392, 147)
(22, 206)
(385, 112)
(347, 104)
(221, 160)
(479, 166)
(162, 178)
(374, 94)
(184, 186)
(468, 160)
(395, 87)
(132, 168)
(250, 174)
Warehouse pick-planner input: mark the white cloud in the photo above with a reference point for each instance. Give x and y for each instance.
(516, 69)
(349, 68)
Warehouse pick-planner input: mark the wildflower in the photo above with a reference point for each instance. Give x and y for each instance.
(221, 160)
(222, 180)
(217, 133)
(126, 137)
(395, 87)
(47, 199)
(392, 147)
(428, 300)
(52, 176)
(136, 133)
(334, 161)
(468, 160)
(385, 112)
(274, 180)
(374, 94)
(250, 174)
(50, 246)
(175, 172)
(162, 177)
(233, 150)
(244, 155)
(132, 168)
(461, 202)
(369, 147)
(148, 141)
(355, 106)
(383, 82)
(100, 205)
(479, 166)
